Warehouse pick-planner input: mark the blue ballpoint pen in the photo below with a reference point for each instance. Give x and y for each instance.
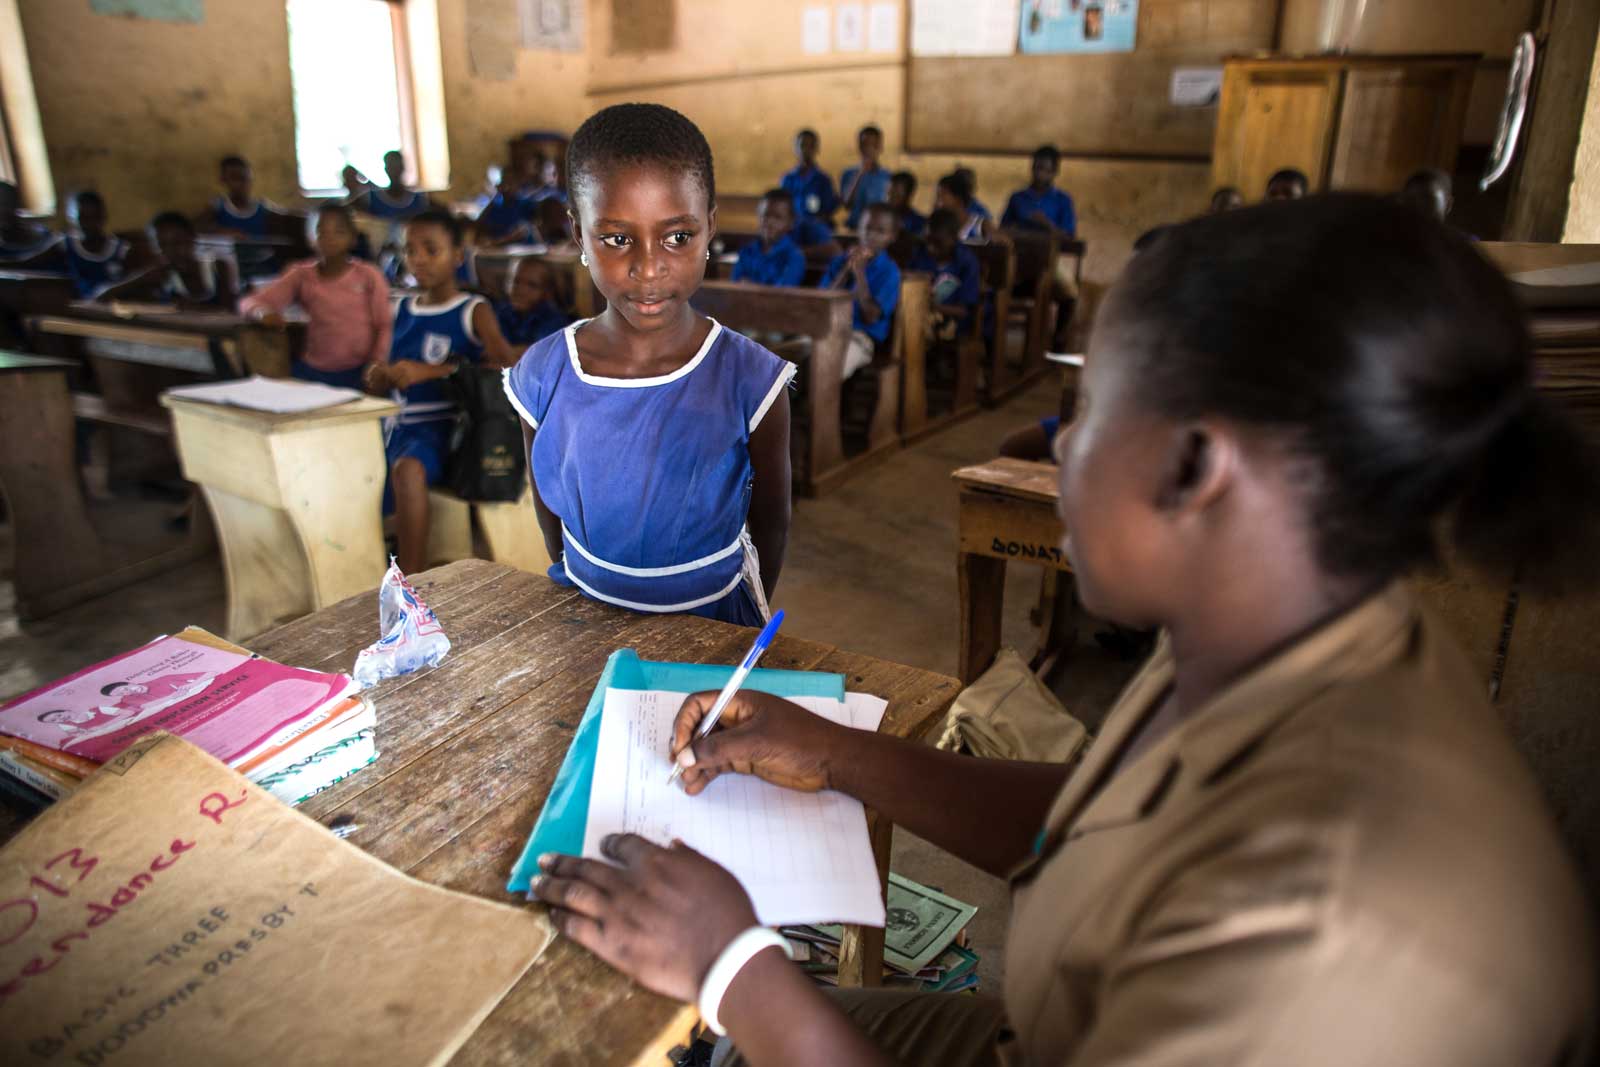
(740, 673)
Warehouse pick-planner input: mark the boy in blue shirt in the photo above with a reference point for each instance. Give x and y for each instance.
(956, 274)
(874, 279)
(902, 187)
(530, 313)
(505, 218)
(774, 258)
(867, 183)
(812, 190)
(1043, 207)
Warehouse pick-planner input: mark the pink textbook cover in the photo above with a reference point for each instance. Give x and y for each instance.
(226, 703)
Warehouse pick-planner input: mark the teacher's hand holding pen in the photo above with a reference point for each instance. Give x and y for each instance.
(760, 735)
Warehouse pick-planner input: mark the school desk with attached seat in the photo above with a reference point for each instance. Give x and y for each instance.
(468, 750)
(918, 419)
(1007, 512)
(509, 528)
(60, 558)
(297, 500)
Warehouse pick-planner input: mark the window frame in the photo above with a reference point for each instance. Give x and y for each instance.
(400, 41)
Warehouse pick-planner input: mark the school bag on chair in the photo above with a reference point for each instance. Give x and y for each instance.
(486, 456)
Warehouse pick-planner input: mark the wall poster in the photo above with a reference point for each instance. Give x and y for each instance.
(1078, 25)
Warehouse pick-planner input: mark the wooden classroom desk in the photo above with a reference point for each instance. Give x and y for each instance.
(1007, 512)
(296, 500)
(61, 559)
(468, 752)
(220, 341)
(25, 292)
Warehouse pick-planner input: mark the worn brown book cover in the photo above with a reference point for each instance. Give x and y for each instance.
(171, 912)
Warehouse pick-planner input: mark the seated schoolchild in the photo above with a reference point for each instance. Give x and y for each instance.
(1287, 184)
(956, 274)
(238, 213)
(531, 311)
(346, 301)
(902, 187)
(874, 280)
(180, 274)
(95, 257)
(773, 258)
(812, 191)
(867, 182)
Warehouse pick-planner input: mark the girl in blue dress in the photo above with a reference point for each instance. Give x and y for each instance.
(95, 257)
(658, 439)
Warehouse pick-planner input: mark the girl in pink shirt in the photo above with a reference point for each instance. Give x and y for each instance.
(346, 299)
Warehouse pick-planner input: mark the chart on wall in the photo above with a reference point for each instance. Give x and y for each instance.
(964, 27)
(1078, 26)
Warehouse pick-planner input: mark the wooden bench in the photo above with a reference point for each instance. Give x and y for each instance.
(1007, 512)
(60, 558)
(510, 530)
(1020, 336)
(975, 357)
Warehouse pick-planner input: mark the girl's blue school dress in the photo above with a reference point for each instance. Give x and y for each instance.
(379, 203)
(254, 262)
(429, 334)
(651, 477)
(90, 272)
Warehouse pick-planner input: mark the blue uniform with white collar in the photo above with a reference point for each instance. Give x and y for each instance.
(814, 202)
(90, 271)
(431, 334)
(883, 280)
(379, 203)
(782, 264)
(651, 477)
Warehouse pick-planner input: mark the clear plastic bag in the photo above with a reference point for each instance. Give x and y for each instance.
(412, 637)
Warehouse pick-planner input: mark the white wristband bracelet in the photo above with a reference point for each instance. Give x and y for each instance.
(727, 968)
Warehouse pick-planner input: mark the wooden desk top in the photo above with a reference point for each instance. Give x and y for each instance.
(209, 323)
(11, 274)
(269, 422)
(1013, 477)
(17, 362)
(745, 306)
(468, 751)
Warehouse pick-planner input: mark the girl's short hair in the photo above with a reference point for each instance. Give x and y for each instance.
(341, 212)
(438, 217)
(1392, 358)
(631, 134)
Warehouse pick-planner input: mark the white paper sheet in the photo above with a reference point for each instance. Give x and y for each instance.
(883, 28)
(964, 27)
(281, 396)
(815, 23)
(802, 857)
(850, 28)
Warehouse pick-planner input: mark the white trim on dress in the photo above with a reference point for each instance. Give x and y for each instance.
(651, 572)
(511, 395)
(658, 609)
(638, 383)
(785, 376)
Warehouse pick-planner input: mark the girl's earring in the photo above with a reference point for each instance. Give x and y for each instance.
(708, 255)
(583, 257)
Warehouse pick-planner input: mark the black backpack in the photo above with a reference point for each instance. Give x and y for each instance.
(487, 461)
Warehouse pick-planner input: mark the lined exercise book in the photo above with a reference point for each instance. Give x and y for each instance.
(802, 857)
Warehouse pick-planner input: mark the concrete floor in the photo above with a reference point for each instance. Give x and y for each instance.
(870, 568)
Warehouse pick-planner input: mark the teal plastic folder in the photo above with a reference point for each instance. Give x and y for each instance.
(561, 824)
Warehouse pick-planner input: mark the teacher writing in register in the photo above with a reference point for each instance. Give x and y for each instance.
(1302, 836)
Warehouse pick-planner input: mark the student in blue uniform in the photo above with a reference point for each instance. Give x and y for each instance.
(95, 258)
(956, 274)
(873, 279)
(180, 274)
(434, 334)
(240, 214)
(398, 201)
(773, 258)
(505, 218)
(530, 313)
(902, 187)
(812, 191)
(658, 439)
(867, 182)
(954, 194)
(1043, 207)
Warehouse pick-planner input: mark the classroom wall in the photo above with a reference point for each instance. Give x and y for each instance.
(142, 110)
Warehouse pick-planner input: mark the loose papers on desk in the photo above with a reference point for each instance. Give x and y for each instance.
(802, 857)
(281, 396)
(169, 912)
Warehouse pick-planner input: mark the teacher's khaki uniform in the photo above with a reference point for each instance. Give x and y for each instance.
(1340, 861)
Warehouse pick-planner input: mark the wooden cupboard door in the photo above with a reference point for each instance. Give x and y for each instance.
(1272, 117)
(1397, 120)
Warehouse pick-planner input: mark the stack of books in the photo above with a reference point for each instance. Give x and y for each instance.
(925, 942)
(293, 732)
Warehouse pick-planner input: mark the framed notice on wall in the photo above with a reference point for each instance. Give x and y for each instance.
(1078, 26)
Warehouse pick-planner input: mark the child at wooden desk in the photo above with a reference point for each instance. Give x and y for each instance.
(773, 258)
(531, 312)
(1302, 835)
(179, 275)
(95, 257)
(435, 333)
(874, 279)
(658, 439)
(956, 275)
(345, 299)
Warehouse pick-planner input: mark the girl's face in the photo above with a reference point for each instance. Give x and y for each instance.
(1113, 458)
(530, 285)
(335, 238)
(646, 231)
(431, 256)
(943, 198)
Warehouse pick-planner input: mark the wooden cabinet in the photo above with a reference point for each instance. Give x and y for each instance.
(1347, 122)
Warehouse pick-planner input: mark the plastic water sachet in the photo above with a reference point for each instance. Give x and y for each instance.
(412, 637)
